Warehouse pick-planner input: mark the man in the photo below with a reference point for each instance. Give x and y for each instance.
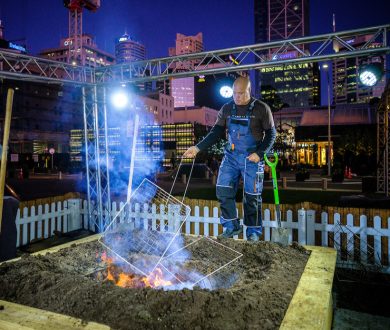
(251, 133)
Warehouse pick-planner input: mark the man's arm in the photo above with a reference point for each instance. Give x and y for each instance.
(212, 137)
(267, 143)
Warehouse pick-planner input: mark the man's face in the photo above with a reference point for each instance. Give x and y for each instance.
(241, 93)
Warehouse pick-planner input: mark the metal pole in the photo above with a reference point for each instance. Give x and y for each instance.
(135, 133)
(7, 125)
(329, 132)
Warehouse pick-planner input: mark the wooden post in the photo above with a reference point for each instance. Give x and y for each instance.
(7, 125)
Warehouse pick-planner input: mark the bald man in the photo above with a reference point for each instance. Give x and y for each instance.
(251, 133)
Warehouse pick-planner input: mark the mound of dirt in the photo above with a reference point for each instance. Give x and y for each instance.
(266, 277)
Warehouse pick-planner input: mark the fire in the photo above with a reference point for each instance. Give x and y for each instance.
(124, 279)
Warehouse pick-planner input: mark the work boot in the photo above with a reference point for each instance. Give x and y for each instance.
(253, 238)
(229, 232)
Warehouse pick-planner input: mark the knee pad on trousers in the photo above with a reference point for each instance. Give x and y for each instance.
(223, 192)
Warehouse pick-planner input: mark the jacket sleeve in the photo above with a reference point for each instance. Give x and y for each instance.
(214, 135)
(267, 143)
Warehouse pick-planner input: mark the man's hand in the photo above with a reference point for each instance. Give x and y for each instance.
(191, 152)
(254, 158)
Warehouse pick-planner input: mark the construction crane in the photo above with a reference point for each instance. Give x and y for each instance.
(76, 54)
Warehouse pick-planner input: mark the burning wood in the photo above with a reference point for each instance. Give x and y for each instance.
(124, 278)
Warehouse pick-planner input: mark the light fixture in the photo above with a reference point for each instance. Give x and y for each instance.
(226, 91)
(119, 99)
(201, 78)
(370, 74)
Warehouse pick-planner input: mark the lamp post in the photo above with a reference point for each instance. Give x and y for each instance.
(326, 67)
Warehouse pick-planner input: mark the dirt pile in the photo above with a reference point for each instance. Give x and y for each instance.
(267, 275)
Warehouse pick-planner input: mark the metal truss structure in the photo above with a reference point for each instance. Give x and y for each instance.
(253, 57)
(383, 140)
(317, 48)
(96, 157)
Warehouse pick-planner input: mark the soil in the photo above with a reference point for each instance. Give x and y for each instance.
(267, 275)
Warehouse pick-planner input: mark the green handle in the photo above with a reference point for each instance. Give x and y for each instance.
(272, 165)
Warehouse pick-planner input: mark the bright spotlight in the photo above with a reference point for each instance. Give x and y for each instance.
(119, 99)
(226, 91)
(370, 74)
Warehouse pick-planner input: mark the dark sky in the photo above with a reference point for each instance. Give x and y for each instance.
(224, 23)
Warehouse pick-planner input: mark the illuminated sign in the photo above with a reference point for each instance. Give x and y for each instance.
(123, 39)
(17, 47)
(285, 56)
(68, 42)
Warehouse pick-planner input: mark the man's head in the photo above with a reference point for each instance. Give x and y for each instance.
(242, 91)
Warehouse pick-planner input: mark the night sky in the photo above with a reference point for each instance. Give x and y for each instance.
(155, 23)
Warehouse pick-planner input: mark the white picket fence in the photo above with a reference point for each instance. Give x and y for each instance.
(371, 243)
(36, 223)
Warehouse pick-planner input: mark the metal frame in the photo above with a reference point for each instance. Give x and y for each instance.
(247, 57)
(383, 140)
(97, 157)
(93, 81)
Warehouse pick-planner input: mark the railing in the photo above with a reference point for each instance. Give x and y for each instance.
(362, 241)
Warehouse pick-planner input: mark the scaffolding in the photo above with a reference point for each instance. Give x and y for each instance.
(252, 57)
(383, 139)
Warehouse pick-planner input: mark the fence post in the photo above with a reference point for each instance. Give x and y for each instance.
(74, 218)
(324, 184)
(302, 226)
(310, 227)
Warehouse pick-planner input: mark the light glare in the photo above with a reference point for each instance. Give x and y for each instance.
(119, 100)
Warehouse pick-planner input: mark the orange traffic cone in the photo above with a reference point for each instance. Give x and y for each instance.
(349, 176)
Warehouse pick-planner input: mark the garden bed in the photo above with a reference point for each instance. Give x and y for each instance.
(266, 279)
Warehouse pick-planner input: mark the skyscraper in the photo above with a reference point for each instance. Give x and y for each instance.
(127, 49)
(182, 89)
(296, 85)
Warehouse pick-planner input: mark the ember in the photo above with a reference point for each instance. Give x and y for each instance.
(124, 278)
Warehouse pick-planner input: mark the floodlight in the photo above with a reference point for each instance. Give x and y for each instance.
(119, 99)
(226, 91)
(370, 74)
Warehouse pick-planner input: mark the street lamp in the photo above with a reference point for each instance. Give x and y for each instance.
(326, 68)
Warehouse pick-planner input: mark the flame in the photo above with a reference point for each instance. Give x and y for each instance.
(128, 280)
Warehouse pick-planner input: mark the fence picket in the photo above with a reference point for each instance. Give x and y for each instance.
(17, 221)
(267, 228)
(24, 228)
(40, 221)
(46, 221)
(289, 225)
(215, 225)
(350, 240)
(32, 225)
(302, 226)
(310, 227)
(196, 226)
(206, 221)
(363, 238)
(377, 240)
(324, 231)
(52, 218)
